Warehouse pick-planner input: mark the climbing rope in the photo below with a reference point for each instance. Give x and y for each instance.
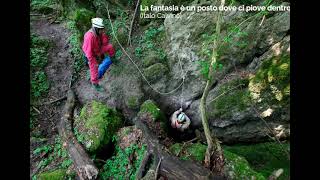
(125, 52)
(183, 78)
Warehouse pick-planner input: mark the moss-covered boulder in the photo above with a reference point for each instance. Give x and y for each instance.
(52, 175)
(155, 72)
(235, 101)
(265, 158)
(128, 155)
(150, 107)
(96, 125)
(154, 118)
(237, 167)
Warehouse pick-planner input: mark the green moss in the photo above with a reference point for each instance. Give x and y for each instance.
(133, 102)
(239, 167)
(119, 167)
(236, 100)
(96, 125)
(271, 83)
(52, 175)
(150, 60)
(175, 148)
(155, 72)
(265, 157)
(82, 18)
(150, 107)
(194, 151)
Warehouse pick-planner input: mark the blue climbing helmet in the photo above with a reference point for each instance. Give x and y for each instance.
(181, 117)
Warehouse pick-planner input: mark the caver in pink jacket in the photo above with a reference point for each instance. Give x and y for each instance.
(94, 47)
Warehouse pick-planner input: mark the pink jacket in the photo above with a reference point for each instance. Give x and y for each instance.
(92, 48)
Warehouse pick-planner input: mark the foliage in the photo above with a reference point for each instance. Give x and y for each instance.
(79, 22)
(52, 153)
(204, 67)
(38, 56)
(118, 55)
(150, 42)
(43, 6)
(39, 83)
(234, 37)
(82, 19)
(119, 167)
(120, 25)
(53, 175)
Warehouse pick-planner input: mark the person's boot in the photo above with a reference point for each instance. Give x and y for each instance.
(98, 88)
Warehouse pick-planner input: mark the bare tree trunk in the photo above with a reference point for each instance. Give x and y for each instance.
(83, 164)
(214, 156)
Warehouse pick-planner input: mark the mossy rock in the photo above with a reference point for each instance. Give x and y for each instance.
(194, 151)
(238, 100)
(265, 157)
(133, 102)
(96, 125)
(151, 108)
(82, 18)
(237, 167)
(149, 60)
(155, 72)
(52, 175)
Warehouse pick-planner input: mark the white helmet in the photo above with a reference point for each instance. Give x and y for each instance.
(97, 22)
(181, 117)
